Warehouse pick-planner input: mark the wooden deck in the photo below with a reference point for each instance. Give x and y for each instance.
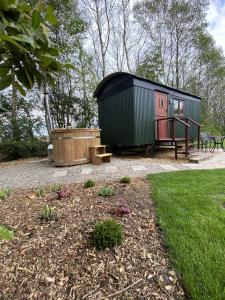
(171, 140)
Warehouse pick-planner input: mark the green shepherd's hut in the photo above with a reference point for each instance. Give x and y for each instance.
(135, 111)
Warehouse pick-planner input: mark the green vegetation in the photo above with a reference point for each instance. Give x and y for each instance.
(13, 149)
(6, 234)
(27, 54)
(191, 213)
(40, 192)
(107, 234)
(55, 187)
(106, 191)
(89, 183)
(4, 193)
(125, 179)
(48, 213)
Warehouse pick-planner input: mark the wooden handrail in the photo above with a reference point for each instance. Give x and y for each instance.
(192, 121)
(199, 126)
(179, 120)
(187, 126)
(175, 119)
(172, 118)
(163, 119)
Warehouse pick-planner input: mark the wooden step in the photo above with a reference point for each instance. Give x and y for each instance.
(103, 155)
(171, 140)
(99, 146)
(97, 159)
(182, 152)
(184, 145)
(166, 147)
(97, 150)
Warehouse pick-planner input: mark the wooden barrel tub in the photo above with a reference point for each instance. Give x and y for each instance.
(71, 146)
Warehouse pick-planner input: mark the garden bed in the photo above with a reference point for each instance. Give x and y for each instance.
(55, 260)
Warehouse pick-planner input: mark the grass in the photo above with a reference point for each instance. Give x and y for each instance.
(191, 214)
(4, 193)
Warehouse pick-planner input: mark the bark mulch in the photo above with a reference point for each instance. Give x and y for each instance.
(55, 260)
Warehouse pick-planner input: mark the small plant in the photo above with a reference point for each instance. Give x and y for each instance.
(4, 193)
(55, 187)
(120, 211)
(125, 179)
(107, 234)
(6, 234)
(106, 191)
(89, 184)
(63, 193)
(40, 192)
(48, 213)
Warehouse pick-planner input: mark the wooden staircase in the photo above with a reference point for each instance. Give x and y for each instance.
(99, 155)
(181, 145)
(180, 148)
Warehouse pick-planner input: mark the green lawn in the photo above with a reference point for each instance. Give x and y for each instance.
(190, 213)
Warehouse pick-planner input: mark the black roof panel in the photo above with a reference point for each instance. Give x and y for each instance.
(121, 75)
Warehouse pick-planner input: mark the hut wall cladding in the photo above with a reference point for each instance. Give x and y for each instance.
(72, 146)
(191, 110)
(144, 116)
(116, 117)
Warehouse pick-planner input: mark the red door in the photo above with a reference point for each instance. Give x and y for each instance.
(162, 112)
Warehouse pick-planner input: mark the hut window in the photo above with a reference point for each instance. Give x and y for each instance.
(178, 107)
(161, 103)
(181, 107)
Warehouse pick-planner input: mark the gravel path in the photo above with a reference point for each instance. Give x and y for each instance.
(40, 172)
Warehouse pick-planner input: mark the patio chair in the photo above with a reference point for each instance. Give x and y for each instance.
(206, 141)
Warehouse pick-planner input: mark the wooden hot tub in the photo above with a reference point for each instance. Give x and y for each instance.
(71, 146)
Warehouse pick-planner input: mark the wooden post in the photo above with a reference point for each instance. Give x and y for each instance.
(174, 128)
(198, 137)
(157, 121)
(175, 150)
(186, 142)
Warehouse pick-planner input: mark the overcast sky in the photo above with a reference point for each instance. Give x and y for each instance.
(216, 20)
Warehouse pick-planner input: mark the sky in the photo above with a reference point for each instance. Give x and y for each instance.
(216, 21)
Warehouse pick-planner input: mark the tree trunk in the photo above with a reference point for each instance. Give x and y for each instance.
(47, 121)
(15, 132)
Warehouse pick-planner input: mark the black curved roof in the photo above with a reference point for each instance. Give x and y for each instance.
(119, 75)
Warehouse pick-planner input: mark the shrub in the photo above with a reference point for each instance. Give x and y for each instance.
(89, 183)
(4, 193)
(48, 213)
(6, 234)
(12, 149)
(107, 234)
(106, 191)
(125, 179)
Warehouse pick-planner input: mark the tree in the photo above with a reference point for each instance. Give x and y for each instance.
(208, 80)
(116, 38)
(26, 53)
(99, 15)
(29, 123)
(171, 27)
(71, 100)
(151, 67)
